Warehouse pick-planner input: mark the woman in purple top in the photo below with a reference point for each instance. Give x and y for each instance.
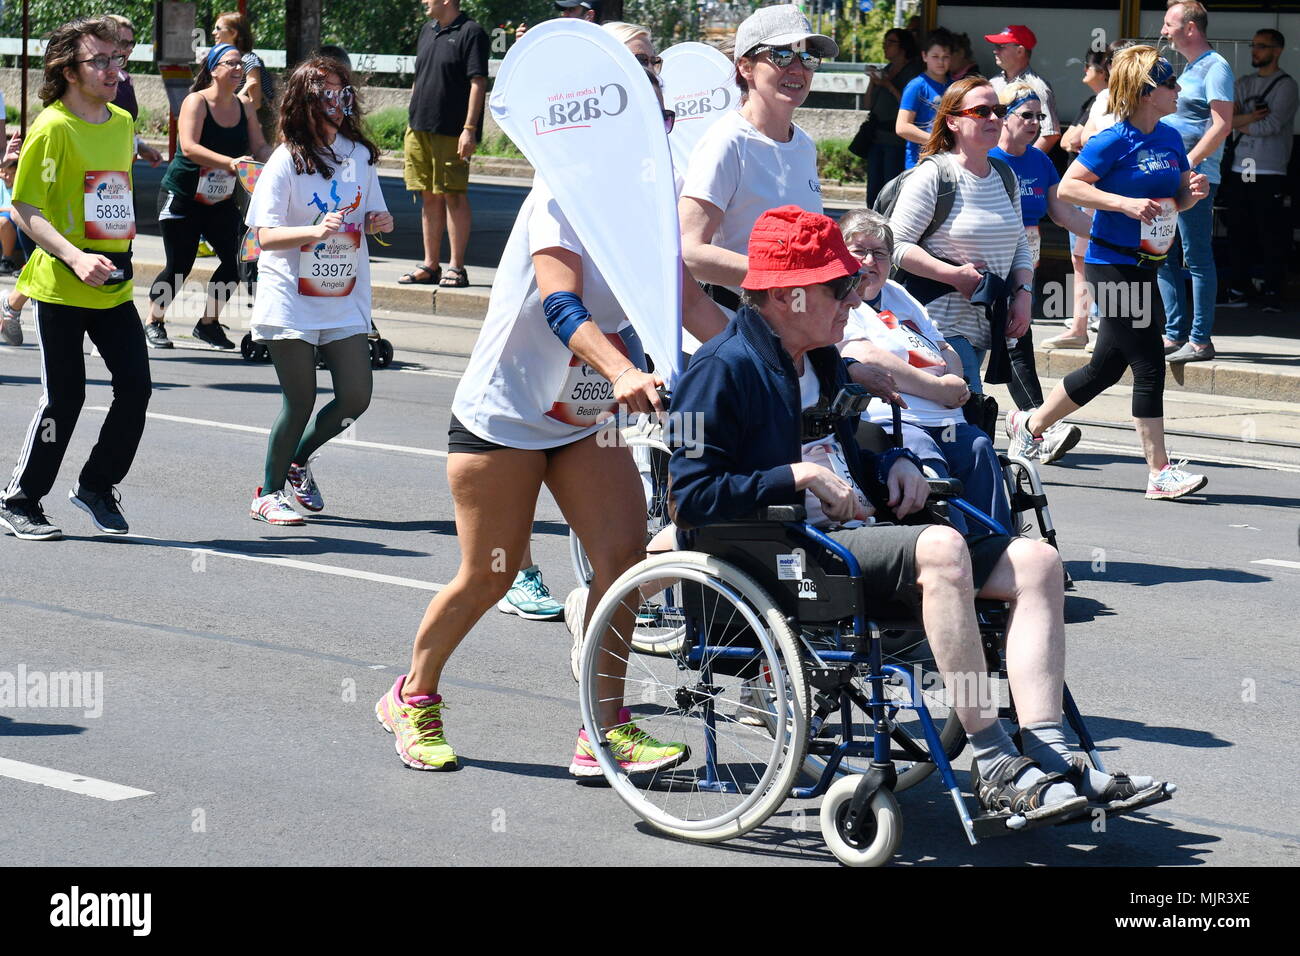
(1136, 175)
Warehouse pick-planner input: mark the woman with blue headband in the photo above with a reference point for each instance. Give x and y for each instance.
(215, 131)
(1038, 186)
(1136, 176)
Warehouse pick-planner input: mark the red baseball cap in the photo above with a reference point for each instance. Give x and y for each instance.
(1016, 33)
(791, 247)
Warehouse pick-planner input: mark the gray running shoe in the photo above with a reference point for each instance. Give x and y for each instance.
(27, 521)
(1057, 440)
(155, 334)
(104, 508)
(11, 323)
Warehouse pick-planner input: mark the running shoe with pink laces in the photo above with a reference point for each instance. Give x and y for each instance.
(1173, 482)
(635, 750)
(274, 509)
(304, 487)
(416, 725)
(1022, 444)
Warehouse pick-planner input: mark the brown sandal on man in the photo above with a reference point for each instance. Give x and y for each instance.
(431, 276)
(455, 279)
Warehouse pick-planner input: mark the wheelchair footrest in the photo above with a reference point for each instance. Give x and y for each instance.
(988, 825)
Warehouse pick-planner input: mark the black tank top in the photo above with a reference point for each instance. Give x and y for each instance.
(182, 176)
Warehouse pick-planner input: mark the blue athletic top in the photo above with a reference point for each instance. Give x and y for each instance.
(1037, 175)
(1129, 162)
(921, 96)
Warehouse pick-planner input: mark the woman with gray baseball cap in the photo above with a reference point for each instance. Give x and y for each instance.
(754, 158)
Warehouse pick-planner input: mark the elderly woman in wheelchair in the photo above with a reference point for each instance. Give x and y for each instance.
(758, 596)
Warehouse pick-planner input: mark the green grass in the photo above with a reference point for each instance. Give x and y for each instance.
(388, 126)
(836, 163)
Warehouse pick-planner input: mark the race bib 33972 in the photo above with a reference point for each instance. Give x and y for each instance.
(328, 267)
(109, 207)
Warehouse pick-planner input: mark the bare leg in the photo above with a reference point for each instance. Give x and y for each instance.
(1057, 406)
(458, 227)
(433, 214)
(599, 493)
(1151, 432)
(1029, 576)
(495, 495)
(943, 573)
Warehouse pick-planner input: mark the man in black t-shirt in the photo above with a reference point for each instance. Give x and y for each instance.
(446, 112)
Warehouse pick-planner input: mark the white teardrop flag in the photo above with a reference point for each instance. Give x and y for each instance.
(700, 87)
(582, 110)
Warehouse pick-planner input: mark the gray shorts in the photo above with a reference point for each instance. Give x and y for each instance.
(887, 556)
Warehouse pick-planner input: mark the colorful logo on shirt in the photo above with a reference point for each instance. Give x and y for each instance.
(1151, 161)
(324, 209)
(578, 109)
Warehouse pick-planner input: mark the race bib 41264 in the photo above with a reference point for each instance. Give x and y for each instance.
(1158, 235)
(110, 210)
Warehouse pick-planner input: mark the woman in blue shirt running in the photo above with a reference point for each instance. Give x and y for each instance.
(1136, 175)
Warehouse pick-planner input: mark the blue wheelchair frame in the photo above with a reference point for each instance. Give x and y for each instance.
(881, 772)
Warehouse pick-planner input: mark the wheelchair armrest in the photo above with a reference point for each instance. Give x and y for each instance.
(781, 513)
(945, 488)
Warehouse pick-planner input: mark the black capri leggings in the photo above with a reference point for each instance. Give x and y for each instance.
(1132, 317)
(221, 225)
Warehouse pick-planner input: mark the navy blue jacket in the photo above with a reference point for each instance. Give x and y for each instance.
(735, 427)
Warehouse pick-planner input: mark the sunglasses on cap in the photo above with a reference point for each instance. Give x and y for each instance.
(841, 287)
(783, 57)
(982, 111)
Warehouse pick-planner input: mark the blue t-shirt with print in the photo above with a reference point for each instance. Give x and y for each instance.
(1205, 80)
(1036, 174)
(1131, 163)
(921, 96)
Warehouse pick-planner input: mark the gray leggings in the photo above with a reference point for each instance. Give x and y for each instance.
(292, 440)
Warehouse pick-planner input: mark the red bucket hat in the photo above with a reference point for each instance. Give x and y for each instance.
(791, 247)
(1016, 33)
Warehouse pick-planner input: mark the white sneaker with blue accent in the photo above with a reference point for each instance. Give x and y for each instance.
(1173, 482)
(529, 598)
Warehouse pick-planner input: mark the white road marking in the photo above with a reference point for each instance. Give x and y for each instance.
(299, 565)
(436, 372)
(1278, 563)
(1134, 452)
(258, 430)
(71, 782)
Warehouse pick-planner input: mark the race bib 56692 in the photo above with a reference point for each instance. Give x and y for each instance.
(110, 210)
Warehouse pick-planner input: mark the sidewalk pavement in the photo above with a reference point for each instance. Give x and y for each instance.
(1258, 355)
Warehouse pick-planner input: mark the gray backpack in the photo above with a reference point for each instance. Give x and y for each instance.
(888, 196)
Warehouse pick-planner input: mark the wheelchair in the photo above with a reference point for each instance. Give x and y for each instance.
(848, 695)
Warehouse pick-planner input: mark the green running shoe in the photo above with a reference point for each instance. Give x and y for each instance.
(417, 725)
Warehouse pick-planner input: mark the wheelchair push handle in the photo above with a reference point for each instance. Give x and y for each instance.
(945, 487)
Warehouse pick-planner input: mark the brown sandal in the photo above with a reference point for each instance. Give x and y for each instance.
(434, 276)
(455, 279)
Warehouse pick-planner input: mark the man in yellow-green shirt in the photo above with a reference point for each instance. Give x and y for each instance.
(72, 195)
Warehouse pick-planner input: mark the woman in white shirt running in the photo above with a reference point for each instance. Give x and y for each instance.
(317, 197)
(533, 407)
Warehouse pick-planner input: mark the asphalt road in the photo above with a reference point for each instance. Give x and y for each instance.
(240, 663)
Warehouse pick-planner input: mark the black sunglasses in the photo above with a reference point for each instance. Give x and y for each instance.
(841, 287)
(655, 63)
(670, 118)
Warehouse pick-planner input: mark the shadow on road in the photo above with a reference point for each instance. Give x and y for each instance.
(1147, 575)
(12, 728)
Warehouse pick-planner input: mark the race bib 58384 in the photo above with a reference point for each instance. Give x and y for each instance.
(109, 208)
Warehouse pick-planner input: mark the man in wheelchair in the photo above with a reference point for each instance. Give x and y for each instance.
(745, 393)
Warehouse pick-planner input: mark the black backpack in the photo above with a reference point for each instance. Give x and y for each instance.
(888, 196)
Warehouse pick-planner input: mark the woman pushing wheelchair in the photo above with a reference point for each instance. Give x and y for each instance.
(747, 390)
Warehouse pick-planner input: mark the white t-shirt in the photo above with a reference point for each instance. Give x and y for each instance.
(903, 329)
(827, 453)
(1099, 114)
(523, 388)
(325, 284)
(744, 174)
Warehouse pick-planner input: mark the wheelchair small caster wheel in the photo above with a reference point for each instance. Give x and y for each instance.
(246, 347)
(381, 353)
(882, 835)
(261, 353)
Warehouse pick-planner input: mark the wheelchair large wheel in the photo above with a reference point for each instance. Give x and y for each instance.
(906, 649)
(689, 691)
(883, 834)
